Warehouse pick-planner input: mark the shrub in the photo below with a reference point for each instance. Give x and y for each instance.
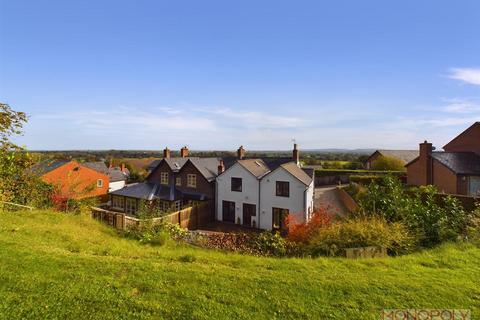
(159, 239)
(303, 232)
(268, 243)
(365, 180)
(362, 232)
(432, 218)
(388, 164)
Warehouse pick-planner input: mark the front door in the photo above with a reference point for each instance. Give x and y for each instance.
(228, 212)
(249, 211)
(474, 186)
(278, 216)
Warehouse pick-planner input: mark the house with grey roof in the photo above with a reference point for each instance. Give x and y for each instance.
(117, 176)
(456, 170)
(405, 156)
(260, 193)
(173, 183)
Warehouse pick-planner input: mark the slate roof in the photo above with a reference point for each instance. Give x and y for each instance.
(153, 191)
(46, 166)
(467, 163)
(99, 166)
(257, 167)
(404, 155)
(208, 167)
(115, 174)
(297, 172)
(154, 164)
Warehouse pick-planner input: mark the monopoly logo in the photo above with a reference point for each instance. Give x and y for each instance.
(426, 314)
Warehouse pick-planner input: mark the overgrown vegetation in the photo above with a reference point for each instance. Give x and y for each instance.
(388, 164)
(433, 219)
(58, 266)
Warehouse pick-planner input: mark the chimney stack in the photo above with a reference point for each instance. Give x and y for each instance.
(184, 152)
(221, 167)
(240, 153)
(166, 153)
(425, 160)
(296, 154)
(122, 167)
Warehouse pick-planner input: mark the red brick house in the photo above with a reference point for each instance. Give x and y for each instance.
(456, 170)
(72, 179)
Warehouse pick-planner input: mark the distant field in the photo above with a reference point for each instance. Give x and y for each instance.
(138, 163)
(59, 266)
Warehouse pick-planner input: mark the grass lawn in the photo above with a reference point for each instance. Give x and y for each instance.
(58, 266)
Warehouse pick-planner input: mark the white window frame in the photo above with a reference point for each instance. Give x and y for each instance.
(99, 183)
(117, 202)
(191, 180)
(164, 178)
(178, 181)
(130, 206)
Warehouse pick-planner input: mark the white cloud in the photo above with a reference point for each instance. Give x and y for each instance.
(461, 106)
(468, 75)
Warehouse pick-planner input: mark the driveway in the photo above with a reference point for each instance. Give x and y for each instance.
(327, 197)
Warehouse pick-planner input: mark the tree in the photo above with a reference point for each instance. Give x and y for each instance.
(11, 124)
(17, 183)
(388, 164)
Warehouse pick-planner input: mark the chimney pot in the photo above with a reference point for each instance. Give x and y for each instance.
(296, 154)
(240, 153)
(221, 167)
(166, 153)
(184, 152)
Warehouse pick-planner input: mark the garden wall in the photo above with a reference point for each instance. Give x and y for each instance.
(324, 177)
(347, 200)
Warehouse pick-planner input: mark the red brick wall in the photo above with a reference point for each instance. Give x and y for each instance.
(469, 140)
(415, 174)
(444, 179)
(76, 181)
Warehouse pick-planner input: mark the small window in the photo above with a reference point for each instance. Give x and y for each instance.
(192, 180)
(99, 183)
(164, 177)
(236, 184)
(178, 205)
(117, 202)
(178, 181)
(131, 206)
(283, 189)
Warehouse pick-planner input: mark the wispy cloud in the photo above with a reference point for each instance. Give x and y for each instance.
(467, 75)
(461, 106)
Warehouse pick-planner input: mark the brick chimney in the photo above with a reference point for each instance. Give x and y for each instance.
(166, 153)
(240, 153)
(425, 160)
(296, 154)
(184, 152)
(221, 167)
(122, 167)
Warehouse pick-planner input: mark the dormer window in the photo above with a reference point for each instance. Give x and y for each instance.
(191, 180)
(164, 178)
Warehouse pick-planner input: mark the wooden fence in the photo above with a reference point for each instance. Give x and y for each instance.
(190, 218)
(9, 206)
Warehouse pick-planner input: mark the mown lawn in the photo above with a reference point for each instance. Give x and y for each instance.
(58, 266)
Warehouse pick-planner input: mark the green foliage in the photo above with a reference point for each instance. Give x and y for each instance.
(11, 124)
(269, 244)
(388, 164)
(431, 217)
(58, 266)
(362, 232)
(365, 180)
(330, 172)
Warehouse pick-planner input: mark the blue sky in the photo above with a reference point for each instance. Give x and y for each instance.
(216, 74)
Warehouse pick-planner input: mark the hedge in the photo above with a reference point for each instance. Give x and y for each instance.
(365, 180)
(333, 172)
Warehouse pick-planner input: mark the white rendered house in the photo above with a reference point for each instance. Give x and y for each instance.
(261, 192)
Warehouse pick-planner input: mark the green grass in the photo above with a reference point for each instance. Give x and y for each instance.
(58, 266)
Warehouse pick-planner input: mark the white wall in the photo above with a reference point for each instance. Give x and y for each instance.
(116, 185)
(295, 203)
(248, 195)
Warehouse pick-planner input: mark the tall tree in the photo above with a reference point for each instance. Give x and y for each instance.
(11, 124)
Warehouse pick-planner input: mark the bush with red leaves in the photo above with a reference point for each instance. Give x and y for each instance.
(303, 232)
